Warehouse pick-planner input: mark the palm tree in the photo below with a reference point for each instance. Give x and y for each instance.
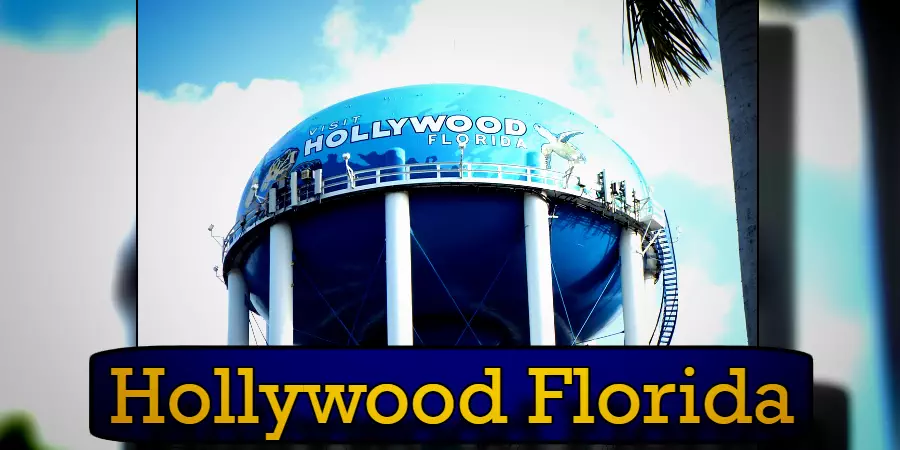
(18, 430)
(669, 28)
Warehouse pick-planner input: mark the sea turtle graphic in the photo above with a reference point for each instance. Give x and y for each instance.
(559, 144)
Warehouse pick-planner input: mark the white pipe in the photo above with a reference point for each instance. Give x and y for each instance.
(653, 306)
(404, 170)
(318, 182)
(538, 271)
(238, 316)
(631, 265)
(281, 284)
(273, 200)
(295, 199)
(398, 261)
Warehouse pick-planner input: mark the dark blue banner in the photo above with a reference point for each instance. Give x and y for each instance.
(471, 395)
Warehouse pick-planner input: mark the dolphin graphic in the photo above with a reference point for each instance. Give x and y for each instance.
(559, 144)
(279, 168)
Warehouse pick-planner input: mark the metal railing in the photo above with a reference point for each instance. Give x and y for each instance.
(279, 200)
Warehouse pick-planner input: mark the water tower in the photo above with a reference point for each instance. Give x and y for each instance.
(448, 214)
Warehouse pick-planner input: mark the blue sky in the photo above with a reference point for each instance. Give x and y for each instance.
(41, 23)
(204, 43)
(185, 48)
(201, 40)
(198, 42)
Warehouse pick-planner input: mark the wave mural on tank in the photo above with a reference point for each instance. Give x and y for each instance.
(417, 124)
(467, 242)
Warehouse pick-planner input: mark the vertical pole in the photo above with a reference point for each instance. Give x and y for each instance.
(295, 199)
(653, 308)
(538, 271)
(238, 316)
(272, 200)
(631, 264)
(398, 259)
(401, 160)
(281, 285)
(318, 182)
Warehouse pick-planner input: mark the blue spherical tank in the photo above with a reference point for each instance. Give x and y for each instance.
(468, 253)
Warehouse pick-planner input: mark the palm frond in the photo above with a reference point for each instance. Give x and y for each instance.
(676, 53)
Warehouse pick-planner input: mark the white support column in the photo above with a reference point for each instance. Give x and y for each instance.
(538, 271)
(238, 316)
(398, 262)
(281, 285)
(631, 264)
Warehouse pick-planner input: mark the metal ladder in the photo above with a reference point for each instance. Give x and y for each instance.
(669, 313)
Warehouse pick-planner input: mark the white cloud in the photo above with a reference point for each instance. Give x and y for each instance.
(582, 65)
(684, 131)
(219, 139)
(681, 131)
(442, 43)
(67, 130)
(195, 158)
(704, 308)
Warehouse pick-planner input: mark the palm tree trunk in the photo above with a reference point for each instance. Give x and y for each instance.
(738, 22)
